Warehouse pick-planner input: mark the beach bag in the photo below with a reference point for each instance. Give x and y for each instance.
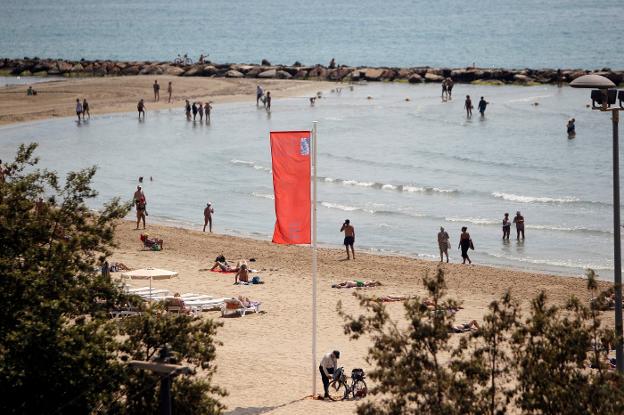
(155, 247)
(357, 374)
(256, 280)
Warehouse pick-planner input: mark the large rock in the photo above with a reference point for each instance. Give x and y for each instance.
(100, 70)
(389, 74)
(271, 73)
(317, 72)
(415, 79)
(77, 68)
(338, 74)
(172, 70)
(404, 73)
(615, 77)
(522, 78)
(432, 77)
(131, 70)
(463, 75)
(194, 70)
(63, 66)
(209, 70)
(373, 74)
(233, 74)
(252, 73)
(301, 74)
(282, 75)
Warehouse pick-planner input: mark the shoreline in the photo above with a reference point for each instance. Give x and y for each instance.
(108, 95)
(297, 71)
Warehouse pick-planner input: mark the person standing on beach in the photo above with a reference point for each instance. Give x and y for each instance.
(559, 78)
(465, 243)
(349, 238)
(267, 101)
(169, 91)
(194, 108)
(506, 227)
(140, 204)
(85, 109)
(468, 106)
(208, 212)
(207, 109)
(187, 109)
(79, 109)
(141, 109)
(443, 244)
(444, 90)
(332, 63)
(259, 94)
(519, 221)
(156, 91)
(482, 106)
(200, 110)
(449, 88)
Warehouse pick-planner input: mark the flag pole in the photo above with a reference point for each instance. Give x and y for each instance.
(314, 265)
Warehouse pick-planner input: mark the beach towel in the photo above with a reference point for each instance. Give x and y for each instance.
(224, 272)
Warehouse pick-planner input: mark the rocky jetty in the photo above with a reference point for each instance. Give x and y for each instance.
(342, 73)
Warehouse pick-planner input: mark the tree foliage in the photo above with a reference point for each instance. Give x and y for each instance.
(539, 365)
(59, 351)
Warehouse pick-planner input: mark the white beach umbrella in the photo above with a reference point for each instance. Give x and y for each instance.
(151, 274)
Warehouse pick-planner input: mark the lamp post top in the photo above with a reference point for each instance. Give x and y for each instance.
(592, 81)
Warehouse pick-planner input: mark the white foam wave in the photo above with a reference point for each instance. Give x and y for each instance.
(389, 187)
(413, 189)
(561, 264)
(476, 221)
(529, 99)
(531, 199)
(263, 195)
(246, 163)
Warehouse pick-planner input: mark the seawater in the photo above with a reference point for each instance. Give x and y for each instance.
(398, 169)
(518, 34)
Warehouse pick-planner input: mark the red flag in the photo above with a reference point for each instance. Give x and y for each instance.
(290, 152)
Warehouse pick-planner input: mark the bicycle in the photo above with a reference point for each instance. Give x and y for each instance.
(339, 388)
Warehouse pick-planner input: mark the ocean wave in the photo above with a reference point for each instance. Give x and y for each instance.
(388, 186)
(553, 263)
(251, 164)
(345, 208)
(263, 195)
(533, 199)
(476, 221)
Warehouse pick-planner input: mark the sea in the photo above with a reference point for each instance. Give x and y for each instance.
(393, 158)
(448, 33)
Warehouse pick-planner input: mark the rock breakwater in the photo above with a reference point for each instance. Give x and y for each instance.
(342, 73)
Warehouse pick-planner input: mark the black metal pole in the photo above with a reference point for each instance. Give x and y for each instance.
(165, 395)
(617, 272)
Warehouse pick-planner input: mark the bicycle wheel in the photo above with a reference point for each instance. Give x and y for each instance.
(359, 389)
(337, 390)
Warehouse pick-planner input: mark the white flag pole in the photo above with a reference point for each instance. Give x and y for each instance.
(314, 266)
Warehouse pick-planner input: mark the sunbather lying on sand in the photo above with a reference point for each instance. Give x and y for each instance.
(391, 298)
(465, 327)
(430, 304)
(605, 300)
(247, 302)
(357, 284)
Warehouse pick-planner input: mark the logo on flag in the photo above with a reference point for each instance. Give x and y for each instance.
(304, 146)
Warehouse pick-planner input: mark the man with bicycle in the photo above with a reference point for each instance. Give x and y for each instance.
(328, 365)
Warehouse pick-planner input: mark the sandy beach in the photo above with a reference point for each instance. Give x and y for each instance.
(265, 359)
(121, 94)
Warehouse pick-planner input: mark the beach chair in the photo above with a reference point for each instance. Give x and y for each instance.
(207, 304)
(236, 306)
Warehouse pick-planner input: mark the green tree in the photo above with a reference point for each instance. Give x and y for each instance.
(59, 351)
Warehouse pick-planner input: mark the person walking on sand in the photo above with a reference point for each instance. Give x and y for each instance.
(465, 243)
(259, 94)
(187, 110)
(519, 221)
(200, 111)
(482, 106)
(85, 109)
(207, 109)
(468, 106)
(141, 109)
(140, 204)
(328, 365)
(506, 227)
(443, 244)
(267, 101)
(169, 91)
(208, 212)
(444, 90)
(79, 109)
(156, 91)
(349, 238)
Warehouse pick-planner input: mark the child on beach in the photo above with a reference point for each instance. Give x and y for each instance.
(506, 227)
(200, 110)
(169, 91)
(85, 109)
(207, 109)
(78, 108)
(141, 109)
(468, 106)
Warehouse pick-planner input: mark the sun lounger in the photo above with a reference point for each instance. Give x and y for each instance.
(191, 297)
(205, 305)
(134, 290)
(236, 306)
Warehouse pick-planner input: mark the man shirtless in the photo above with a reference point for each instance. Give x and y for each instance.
(349, 239)
(208, 211)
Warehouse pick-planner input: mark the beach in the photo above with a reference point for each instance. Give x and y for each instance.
(265, 359)
(121, 94)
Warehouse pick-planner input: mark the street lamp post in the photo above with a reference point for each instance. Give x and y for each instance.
(604, 85)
